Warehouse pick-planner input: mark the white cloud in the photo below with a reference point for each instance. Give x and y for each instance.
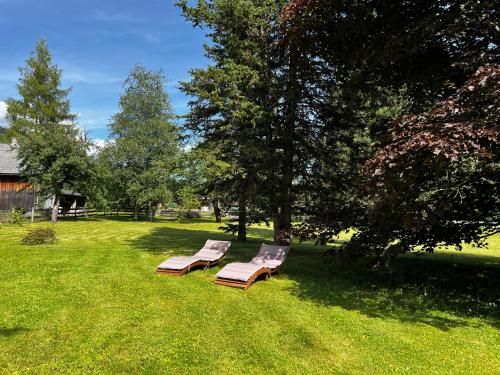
(189, 146)
(97, 145)
(100, 15)
(95, 78)
(3, 113)
(3, 109)
(100, 142)
(94, 118)
(153, 38)
(149, 36)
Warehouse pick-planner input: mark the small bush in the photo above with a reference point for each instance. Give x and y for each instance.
(39, 236)
(16, 216)
(187, 214)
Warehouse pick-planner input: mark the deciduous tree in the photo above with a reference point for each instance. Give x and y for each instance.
(145, 141)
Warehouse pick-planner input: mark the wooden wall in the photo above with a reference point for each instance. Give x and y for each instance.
(16, 199)
(15, 194)
(13, 185)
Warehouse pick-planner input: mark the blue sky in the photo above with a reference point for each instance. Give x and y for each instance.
(96, 43)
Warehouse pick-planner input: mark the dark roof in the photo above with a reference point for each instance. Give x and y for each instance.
(9, 163)
(73, 193)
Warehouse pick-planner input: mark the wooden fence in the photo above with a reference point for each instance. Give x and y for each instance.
(90, 212)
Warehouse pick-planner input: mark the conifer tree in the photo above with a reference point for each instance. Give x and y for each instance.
(53, 151)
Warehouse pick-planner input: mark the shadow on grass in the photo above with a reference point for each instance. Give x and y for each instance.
(8, 332)
(130, 218)
(420, 290)
(174, 240)
(178, 241)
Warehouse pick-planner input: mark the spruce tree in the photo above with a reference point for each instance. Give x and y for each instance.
(232, 110)
(52, 149)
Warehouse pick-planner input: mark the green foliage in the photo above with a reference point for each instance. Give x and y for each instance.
(232, 112)
(183, 214)
(52, 149)
(4, 137)
(16, 216)
(204, 176)
(436, 179)
(364, 66)
(39, 236)
(138, 165)
(188, 199)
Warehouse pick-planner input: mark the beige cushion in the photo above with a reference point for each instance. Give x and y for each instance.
(211, 251)
(271, 256)
(217, 245)
(177, 263)
(238, 271)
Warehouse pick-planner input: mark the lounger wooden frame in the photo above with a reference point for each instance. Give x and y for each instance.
(267, 272)
(197, 264)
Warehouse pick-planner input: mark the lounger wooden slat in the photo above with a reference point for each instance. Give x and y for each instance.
(184, 270)
(243, 275)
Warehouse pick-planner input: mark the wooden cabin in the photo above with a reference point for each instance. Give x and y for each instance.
(15, 193)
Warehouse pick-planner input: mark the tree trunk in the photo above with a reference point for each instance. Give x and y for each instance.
(242, 212)
(150, 211)
(276, 221)
(217, 212)
(285, 209)
(55, 210)
(136, 216)
(35, 199)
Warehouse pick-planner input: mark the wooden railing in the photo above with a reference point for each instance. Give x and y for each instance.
(88, 212)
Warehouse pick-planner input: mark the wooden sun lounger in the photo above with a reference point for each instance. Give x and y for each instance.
(266, 272)
(210, 255)
(242, 275)
(196, 264)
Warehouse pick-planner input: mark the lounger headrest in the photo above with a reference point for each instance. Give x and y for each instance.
(272, 252)
(217, 245)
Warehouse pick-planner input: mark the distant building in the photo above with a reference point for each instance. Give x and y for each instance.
(206, 206)
(15, 193)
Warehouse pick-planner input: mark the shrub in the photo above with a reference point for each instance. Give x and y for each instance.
(187, 214)
(39, 236)
(16, 216)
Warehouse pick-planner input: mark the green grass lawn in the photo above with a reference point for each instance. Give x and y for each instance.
(92, 303)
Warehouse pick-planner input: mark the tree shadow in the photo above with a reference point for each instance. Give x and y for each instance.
(141, 219)
(8, 332)
(419, 290)
(175, 241)
(436, 291)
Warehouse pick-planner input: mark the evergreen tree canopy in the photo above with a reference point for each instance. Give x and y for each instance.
(232, 109)
(52, 149)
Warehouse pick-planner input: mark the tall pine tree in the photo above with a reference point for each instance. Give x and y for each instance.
(232, 110)
(52, 150)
